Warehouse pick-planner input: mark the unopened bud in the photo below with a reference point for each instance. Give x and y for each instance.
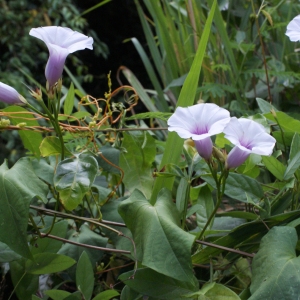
(37, 94)
(4, 122)
(189, 142)
(219, 155)
(92, 124)
(23, 124)
(59, 84)
(22, 99)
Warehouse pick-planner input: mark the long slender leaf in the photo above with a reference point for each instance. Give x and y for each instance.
(186, 98)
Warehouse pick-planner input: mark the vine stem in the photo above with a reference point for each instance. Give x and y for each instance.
(225, 248)
(220, 192)
(44, 235)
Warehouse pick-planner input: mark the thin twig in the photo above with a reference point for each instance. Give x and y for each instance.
(50, 212)
(78, 129)
(84, 245)
(225, 248)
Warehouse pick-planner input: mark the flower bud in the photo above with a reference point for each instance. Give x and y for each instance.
(10, 96)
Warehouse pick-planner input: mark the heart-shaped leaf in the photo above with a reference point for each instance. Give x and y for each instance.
(18, 186)
(276, 268)
(136, 162)
(158, 286)
(74, 177)
(46, 263)
(160, 243)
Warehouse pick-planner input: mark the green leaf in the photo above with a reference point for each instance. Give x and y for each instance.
(106, 295)
(46, 244)
(108, 159)
(215, 291)
(85, 276)
(43, 169)
(6, 254)
(276, 268)
(69, 101)
(84, 236)
(128, 293)
(264, 106)
(79, 115)
(74, 177)
(46, 263)
(30, 139)
(74, 296)
(274, 166)
(149, 282)
(295, 146)
(186, 98)
(18, 186)
(292, 167)
(51, 146)
(25, 284)
(246, 236)
(136, 162)
(206, 206)
(57, 294)
(150, 115)
(159, 240)
(181, 195)
(286, 122)
(238, 186)
(110, 213)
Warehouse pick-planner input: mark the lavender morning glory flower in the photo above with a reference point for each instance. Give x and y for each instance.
(248, 137)
(199, 122)
(61, 41)
(10, 95)
(293, 29)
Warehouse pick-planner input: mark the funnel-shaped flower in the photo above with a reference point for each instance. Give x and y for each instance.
(61, 41)
(9, 95)
(248, 137)
(293, 29)
(199, 122)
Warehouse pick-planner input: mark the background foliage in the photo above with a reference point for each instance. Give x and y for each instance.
(125, 212)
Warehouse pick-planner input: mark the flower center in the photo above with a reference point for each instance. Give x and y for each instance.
(200, 130)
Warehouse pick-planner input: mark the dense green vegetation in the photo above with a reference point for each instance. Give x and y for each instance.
(100, 202)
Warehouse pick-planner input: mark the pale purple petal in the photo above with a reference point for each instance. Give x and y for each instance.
(199, 122)
(204, 147)
(9, 95)
(293, 29)
(236, 157)
(55, 64)
(248, 137)
(61, 41)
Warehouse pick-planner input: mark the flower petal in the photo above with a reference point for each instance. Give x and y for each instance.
(293, 29)
(198, 121)
(9, 95)
(63, 37)
(236, 157)
(55, 64)
(60, 41)
(204, 147)
(248, 137)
